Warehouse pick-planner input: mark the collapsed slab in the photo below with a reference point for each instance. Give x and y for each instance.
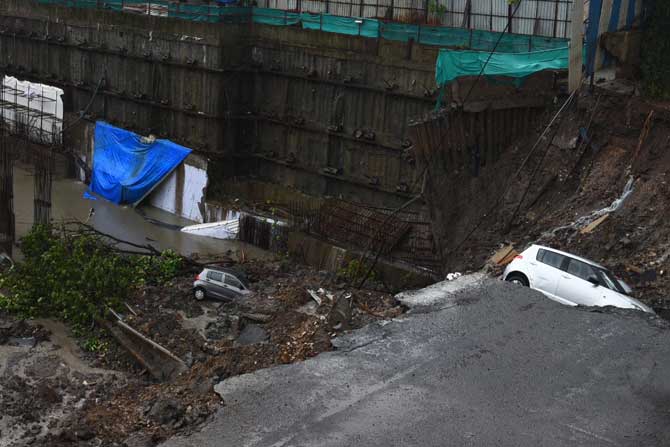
(501, 366)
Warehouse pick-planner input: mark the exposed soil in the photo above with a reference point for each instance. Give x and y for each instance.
(573, 177)
(121, 404)
(43, 384)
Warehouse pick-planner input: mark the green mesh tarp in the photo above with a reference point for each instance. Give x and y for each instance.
(452, 64)
(468, 39)
(277, 17)
(446, 37)
(430, 35)
(341, 25)
(196, 13)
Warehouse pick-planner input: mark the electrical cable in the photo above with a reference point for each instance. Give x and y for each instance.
(83, 113)
(481, 72)
(497, 202)
(425, 172)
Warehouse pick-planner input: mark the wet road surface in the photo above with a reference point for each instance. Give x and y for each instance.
(493, 364)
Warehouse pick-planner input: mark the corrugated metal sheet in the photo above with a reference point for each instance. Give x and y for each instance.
(481, 14)
(549, 18)
(500, 16)
(601, 21)
(622, 16)
(564, 14)
(371, 9)
(524, 19)
(313, 6)
(343, 8)
(456, 10)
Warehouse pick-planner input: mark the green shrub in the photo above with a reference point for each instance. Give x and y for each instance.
(354, 271)
(76, 277)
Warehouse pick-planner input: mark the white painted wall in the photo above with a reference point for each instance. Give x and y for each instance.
(194, 182)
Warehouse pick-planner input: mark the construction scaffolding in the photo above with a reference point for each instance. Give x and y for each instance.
(32, 111)
(31, 128)
(6, 194)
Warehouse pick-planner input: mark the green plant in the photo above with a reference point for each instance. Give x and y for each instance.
(94, 344)
(655, 61)
(157, 269)
(354, 271)
(436, 8)
(76, 277)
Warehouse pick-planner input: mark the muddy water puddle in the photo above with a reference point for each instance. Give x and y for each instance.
(146, 225)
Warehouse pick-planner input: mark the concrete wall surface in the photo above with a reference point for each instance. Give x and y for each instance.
(323, 113)
(182, 192)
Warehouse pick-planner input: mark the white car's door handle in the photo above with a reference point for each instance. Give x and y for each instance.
(565, 277)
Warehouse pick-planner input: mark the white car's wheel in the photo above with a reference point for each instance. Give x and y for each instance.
(199, 294)
(516, 278)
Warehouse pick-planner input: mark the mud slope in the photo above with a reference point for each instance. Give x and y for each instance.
(603, 140)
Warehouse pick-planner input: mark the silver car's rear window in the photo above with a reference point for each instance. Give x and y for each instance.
(215, 276)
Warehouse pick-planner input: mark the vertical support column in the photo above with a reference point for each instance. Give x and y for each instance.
(43, 179)
(510, 14)
(576, 45)
(6, 195)
(605, 16)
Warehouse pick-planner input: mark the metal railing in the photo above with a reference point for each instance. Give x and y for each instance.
(548, 18)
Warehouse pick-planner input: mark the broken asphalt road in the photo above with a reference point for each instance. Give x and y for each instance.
(490, 364)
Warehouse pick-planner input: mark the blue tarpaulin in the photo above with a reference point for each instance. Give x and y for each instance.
(126, 167)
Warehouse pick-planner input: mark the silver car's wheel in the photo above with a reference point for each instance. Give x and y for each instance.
(199, 294)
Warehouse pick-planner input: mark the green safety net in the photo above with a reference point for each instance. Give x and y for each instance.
(515, 56)
(323, 22)
(276, 17)
(443, 36)
(452, 64)
(208, 13)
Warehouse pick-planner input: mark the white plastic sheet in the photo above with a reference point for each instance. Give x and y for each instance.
(33, 108)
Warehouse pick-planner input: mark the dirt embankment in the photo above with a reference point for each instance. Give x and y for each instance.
(604, 139)
(109, 400)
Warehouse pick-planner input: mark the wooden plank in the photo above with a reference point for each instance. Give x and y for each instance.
(593, 225)
(502, 254)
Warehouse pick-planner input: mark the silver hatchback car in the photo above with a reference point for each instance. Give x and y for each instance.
(221, 284)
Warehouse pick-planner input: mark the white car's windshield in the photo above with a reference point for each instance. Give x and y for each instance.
(610, 281)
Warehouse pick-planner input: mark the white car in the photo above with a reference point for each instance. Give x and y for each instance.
(569, 279)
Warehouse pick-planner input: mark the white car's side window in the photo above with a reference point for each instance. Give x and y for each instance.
(550, 258)
(581, 270)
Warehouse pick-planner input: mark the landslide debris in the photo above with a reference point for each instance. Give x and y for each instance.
(281, 322)
(606, 138)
